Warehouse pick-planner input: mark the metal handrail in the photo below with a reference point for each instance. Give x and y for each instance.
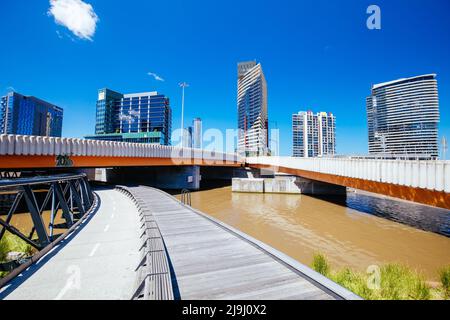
(186, 197)
(6, 183)
(68, 192)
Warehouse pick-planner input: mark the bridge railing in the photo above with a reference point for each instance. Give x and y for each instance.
(69, 194)
(21, 145)
(67, 198)
(432, 175)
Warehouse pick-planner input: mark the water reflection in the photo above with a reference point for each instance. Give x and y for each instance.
(350, 231)
(419, 216)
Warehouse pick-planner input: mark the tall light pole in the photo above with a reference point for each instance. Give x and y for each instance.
(183, 85)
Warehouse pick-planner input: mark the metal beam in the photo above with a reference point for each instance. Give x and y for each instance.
(76, 196)
(11, 211)
(35, 215)
(16, 232)
(68, 216)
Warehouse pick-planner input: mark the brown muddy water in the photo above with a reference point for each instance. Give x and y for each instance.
(359, 231)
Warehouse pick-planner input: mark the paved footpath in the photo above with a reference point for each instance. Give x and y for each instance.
(98, 262)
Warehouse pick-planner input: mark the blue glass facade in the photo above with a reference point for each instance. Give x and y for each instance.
(132, 117)
(28, 115)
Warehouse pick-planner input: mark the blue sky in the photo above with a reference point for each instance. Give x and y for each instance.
(317, 55)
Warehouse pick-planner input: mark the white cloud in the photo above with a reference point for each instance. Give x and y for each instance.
(155, 76)
(76, 15)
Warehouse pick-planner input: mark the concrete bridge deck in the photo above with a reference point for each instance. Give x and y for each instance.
(211, 260)
(97, 261)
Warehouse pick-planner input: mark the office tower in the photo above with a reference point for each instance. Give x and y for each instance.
(314, 135)
(403, 117)
(197, 134)
(252, 110)
(27, 115)
(187, 138)
(138, 117)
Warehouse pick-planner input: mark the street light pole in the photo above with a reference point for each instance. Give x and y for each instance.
(183, 85)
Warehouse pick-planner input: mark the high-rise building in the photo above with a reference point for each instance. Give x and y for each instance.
(187, 138)
(197, 135)
(314, 135)
(252, 110)
(139, 117)
(29, 115)
(403, 117)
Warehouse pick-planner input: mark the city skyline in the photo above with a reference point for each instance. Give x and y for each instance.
(316, 76)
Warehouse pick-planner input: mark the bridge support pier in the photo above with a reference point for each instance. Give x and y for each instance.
(318, 188)
(286, 184)
(181, 177)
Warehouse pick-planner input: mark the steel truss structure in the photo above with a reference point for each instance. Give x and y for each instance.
(69, 194)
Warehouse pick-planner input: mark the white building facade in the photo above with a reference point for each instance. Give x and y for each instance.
(403, 118)
(314, 134)
(197, 134)
(252, 110)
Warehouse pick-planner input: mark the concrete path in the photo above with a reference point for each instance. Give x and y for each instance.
(97, 263)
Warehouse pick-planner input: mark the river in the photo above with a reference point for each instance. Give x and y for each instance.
(358, 231)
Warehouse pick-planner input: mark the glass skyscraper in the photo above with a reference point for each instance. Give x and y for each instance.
(197, 135)
(139, 117)
(252, 110)
(27, 115)
(314, 135)
(403, 118)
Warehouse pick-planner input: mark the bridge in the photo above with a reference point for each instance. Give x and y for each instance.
(141, 243)
(426, 182)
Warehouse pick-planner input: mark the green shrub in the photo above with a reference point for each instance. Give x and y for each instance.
(444, 275)
(397, 282)
(353, 281)
(320, 264)
(18, 245)
(11, 243)
(4, 248)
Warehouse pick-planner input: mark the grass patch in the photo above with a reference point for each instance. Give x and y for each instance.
(392, 281)
(444, 276)
(4, 248)
(320, 264)
(11, 243)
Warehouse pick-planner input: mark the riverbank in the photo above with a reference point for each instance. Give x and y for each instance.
(388, 282)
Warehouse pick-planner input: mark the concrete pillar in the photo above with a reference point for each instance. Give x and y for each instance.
(319, 188)
(286, 184)
(180, 177)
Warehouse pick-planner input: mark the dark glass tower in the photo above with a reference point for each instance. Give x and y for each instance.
(140, 117)
(29, 115)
